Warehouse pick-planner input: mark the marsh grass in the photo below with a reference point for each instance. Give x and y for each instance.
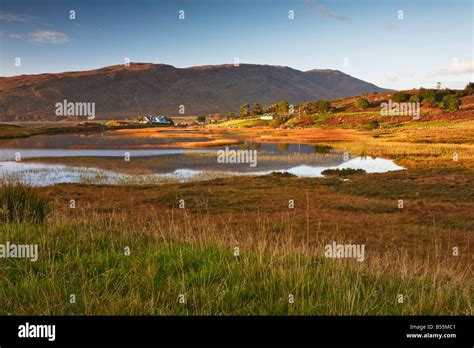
(22, 203)
(88, 260)
(191, 251)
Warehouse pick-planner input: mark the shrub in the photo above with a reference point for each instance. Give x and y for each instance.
(429, 102)
(373, 124)
(450, 103)
(400, 97)
(322, 106)
(469, 90)
(257, 109)
(440, 94)
(342, 172)
(244, 110)
(283, 107)
(414, 99)
(427, 94)
(22, 203)
(362, 103)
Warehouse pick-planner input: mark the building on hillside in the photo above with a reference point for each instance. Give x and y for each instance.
(268, 116)
(155, 120)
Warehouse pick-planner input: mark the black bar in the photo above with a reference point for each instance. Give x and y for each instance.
(241, 330)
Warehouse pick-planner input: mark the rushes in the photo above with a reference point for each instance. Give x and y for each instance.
(194, 255)
(22, 203)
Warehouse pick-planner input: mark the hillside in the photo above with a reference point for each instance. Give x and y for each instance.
(156, 88)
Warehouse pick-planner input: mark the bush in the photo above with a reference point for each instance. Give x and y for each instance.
(244, 110)
(400, 97)
(414, 99)
(469, 90)
(440, 94)
(373, 124)
(362, 103)
(427, 94)
(345, 172)
(257, 109)
(450, 103)
(429, 102)
(283, 107)
(322, 106)
(22, 203)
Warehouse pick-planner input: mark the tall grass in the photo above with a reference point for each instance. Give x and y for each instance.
(88, 257)
(22, 203)
(94, 267)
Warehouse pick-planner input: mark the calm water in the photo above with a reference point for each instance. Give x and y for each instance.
(161, 165)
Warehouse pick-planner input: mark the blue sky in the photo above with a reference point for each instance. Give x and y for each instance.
(430, 41)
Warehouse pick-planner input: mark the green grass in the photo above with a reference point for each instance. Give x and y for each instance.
(11, 131)
(358, 113)
(89, 261)
(253, 122)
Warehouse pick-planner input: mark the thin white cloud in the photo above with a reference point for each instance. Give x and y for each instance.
(466, 67)
(12, 18)
(11, 35)
(324, 11)
(51, 37)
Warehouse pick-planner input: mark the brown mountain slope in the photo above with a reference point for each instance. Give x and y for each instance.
(156, 88)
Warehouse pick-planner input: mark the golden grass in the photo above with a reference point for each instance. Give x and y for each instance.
(416, 241)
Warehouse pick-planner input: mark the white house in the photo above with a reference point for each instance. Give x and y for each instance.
(268, 116)
(155, 120)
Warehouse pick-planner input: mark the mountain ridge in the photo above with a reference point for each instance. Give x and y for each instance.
(143, 88)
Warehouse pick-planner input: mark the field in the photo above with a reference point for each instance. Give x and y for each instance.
(237, 247)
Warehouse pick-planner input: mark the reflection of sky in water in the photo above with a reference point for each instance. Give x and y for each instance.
(9, 154)
(95, 140)
(111, 140)
(303, 160)
(370, 165)
(39, 174)
(285, 148)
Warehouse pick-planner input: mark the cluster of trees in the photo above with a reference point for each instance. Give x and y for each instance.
(320, 107)
(323, 106)
(281, 108)
(445, 99)
(284, 108)
(467, 91)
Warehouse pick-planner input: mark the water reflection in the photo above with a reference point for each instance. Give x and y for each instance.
(63, 160)
(285, 148)
(39, 174)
